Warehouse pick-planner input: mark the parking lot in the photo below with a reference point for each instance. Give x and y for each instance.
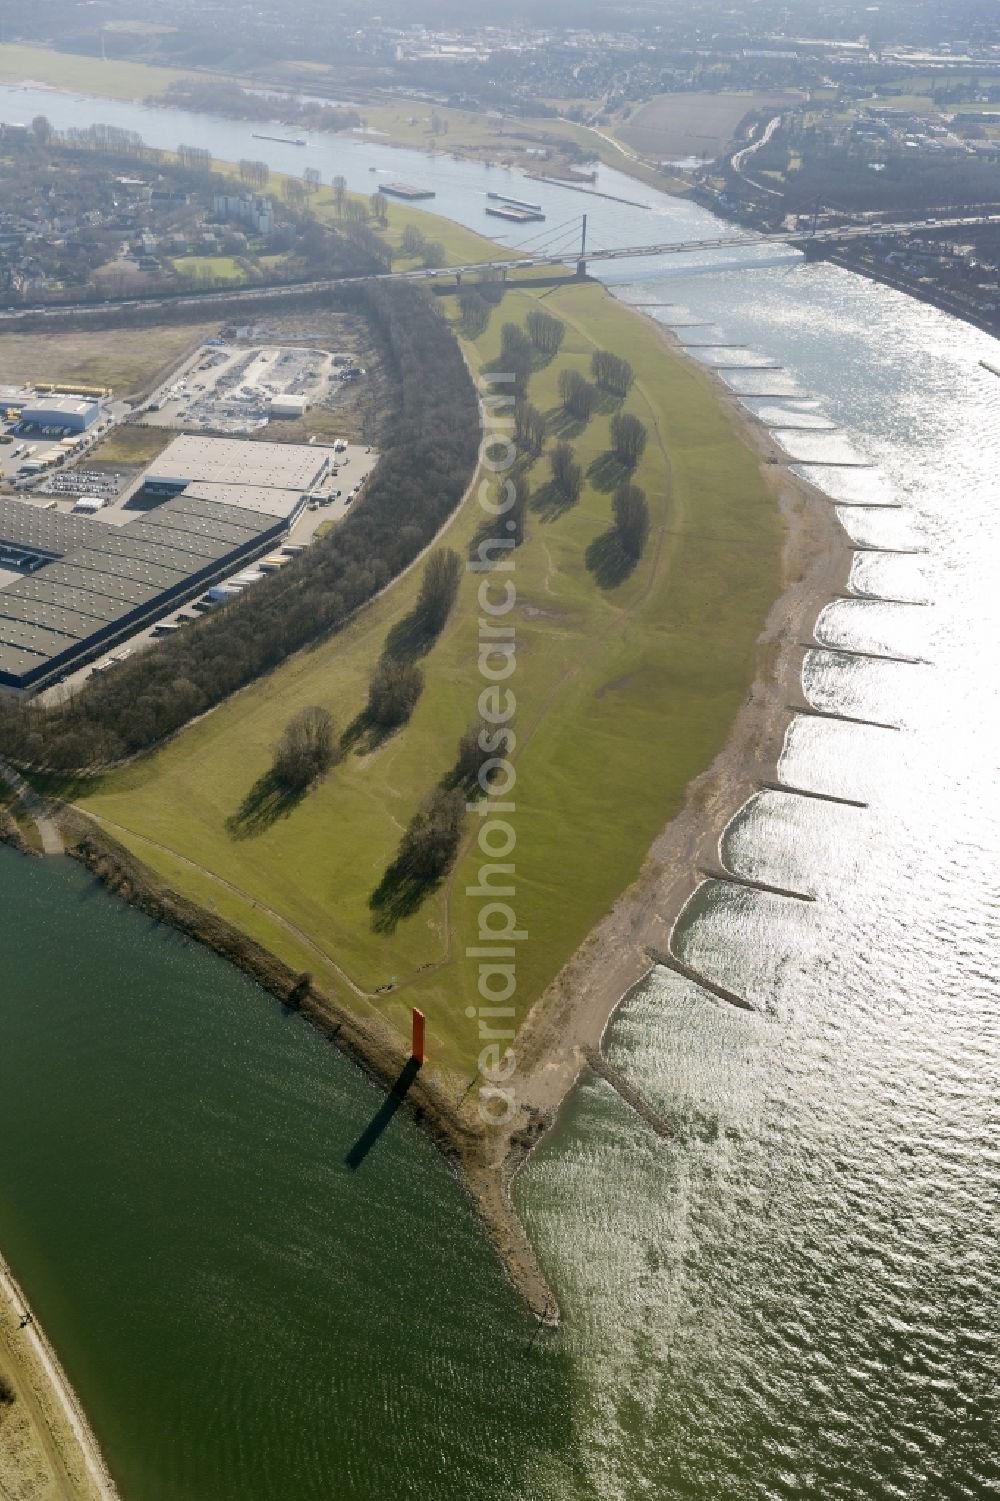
(20, 444)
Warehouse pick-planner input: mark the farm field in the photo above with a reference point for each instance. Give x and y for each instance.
(673, 126)
(625, 690)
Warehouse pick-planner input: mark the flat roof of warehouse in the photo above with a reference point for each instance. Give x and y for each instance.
(29, 526)
(73, 406)
(106, 573)
(262, 498)
(239, 461)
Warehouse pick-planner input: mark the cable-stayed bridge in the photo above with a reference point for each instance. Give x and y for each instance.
(556, 254)
(564, 246)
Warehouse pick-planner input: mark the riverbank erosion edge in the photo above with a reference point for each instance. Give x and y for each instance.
(567, 1024)
(47, 1449)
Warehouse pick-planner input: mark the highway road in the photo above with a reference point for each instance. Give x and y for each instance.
(10, 319)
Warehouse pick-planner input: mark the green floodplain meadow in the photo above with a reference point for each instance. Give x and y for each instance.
(625, 690)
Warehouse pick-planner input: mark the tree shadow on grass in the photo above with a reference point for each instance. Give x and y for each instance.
(266, 802)
(608, 471)
(563, 425)
(607, 402)
(608, 561)
(410, 638)
(491, 544)
(399, 894)
(364, 735)
(540, 358)
(549, 501)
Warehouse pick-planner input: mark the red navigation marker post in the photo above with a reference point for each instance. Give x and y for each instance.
(418, 1036)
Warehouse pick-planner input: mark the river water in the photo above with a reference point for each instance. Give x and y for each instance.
(797, 1299)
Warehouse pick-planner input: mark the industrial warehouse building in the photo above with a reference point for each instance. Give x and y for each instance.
(287, 406)
(78, 413)
(235, 461)
(91, 583)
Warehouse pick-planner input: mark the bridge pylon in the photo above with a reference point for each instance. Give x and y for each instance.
(581, 265)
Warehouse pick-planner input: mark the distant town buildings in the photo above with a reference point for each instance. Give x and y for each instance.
(245, 208)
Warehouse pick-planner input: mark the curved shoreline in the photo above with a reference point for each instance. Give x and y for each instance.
(572, 1017)
(74, 1449)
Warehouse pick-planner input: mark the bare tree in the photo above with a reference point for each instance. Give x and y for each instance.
(438, 589)
(578, 395)
(393, 690)
(567, 476)
(631, 515)
(305, 750)
(529, 428)
(628, 437)
(611, 372)
(544, 331)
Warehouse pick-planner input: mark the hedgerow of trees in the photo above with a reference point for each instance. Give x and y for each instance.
(475, 314)
(393, 691)
(427, 462)
(611, 372)
(567, 475)
(482, 742)
(631, 514)
(544, 331)
(628, 437)
(438, 590)
(428, 847)
(529, 428)
(577, 395)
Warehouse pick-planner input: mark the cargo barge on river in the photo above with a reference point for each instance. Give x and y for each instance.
(406, 190)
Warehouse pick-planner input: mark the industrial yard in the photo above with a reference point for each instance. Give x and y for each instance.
(235, 389)
(80, 589)
(122, 523)
(44, 427)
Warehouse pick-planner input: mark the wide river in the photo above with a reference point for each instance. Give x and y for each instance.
(801, 1297)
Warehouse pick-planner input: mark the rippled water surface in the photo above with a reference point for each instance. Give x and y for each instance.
(797, 1298)
(246, 1315)
(802, 1297)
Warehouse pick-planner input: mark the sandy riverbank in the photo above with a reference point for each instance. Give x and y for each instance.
(47, 1450)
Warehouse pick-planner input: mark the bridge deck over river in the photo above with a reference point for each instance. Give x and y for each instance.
(577, 258)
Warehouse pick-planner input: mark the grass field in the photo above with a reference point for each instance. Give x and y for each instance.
(624, 692)
(85, 75)
(211, 267)
(127, 359)
(132, 444)
(461, 246)
(673, 126)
